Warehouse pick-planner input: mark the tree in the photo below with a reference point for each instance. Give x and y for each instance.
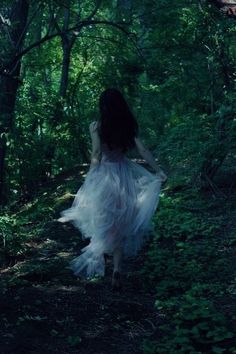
(13, 29)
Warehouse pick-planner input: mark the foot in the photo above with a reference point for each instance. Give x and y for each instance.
(116, 280)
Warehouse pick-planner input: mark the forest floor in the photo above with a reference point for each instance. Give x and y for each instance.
(44, 308)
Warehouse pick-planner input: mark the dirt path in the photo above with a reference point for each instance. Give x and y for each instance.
(45, 309)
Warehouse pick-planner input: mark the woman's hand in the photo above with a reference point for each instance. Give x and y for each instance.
(147, 155)
(162, 176)
(62, 219)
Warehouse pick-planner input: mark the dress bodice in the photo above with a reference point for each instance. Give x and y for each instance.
(111, 155)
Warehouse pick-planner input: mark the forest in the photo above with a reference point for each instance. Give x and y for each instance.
(175, 63)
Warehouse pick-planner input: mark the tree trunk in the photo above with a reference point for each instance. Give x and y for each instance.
(18, 14)
(217, 155)
(67, 45)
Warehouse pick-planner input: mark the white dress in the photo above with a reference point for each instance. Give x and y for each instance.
(113, 208)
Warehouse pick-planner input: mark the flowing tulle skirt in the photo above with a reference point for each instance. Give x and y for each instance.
(113, 208)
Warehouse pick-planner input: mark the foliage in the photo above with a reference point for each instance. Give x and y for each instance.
(191, 276)
(23, 223)
(11, 239)
(175, 64)
(177, 78)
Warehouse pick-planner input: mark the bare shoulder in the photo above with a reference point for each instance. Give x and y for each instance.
(139, 144)
(137, 140)
(93, 126)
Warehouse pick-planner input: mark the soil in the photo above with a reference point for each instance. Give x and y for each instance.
(44, 308)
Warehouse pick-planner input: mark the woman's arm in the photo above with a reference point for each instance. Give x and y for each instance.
(96, 144)
(147, 155)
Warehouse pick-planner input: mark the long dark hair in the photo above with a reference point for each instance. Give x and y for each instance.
(117, 126)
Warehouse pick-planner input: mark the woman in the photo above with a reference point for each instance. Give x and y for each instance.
(115, 204)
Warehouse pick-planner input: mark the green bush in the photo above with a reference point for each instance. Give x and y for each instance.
(11, 239)
(189, 273)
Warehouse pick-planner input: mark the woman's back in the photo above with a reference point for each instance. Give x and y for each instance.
(113, 155)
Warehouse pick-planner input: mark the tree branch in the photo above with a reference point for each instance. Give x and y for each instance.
(48, 37)
(27, 26)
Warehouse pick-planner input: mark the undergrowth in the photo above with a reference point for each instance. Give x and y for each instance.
(189, 263)
(19, 224)
(192, 272)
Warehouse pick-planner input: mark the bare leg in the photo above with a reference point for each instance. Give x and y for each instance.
(116, 277)
(117, 259)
